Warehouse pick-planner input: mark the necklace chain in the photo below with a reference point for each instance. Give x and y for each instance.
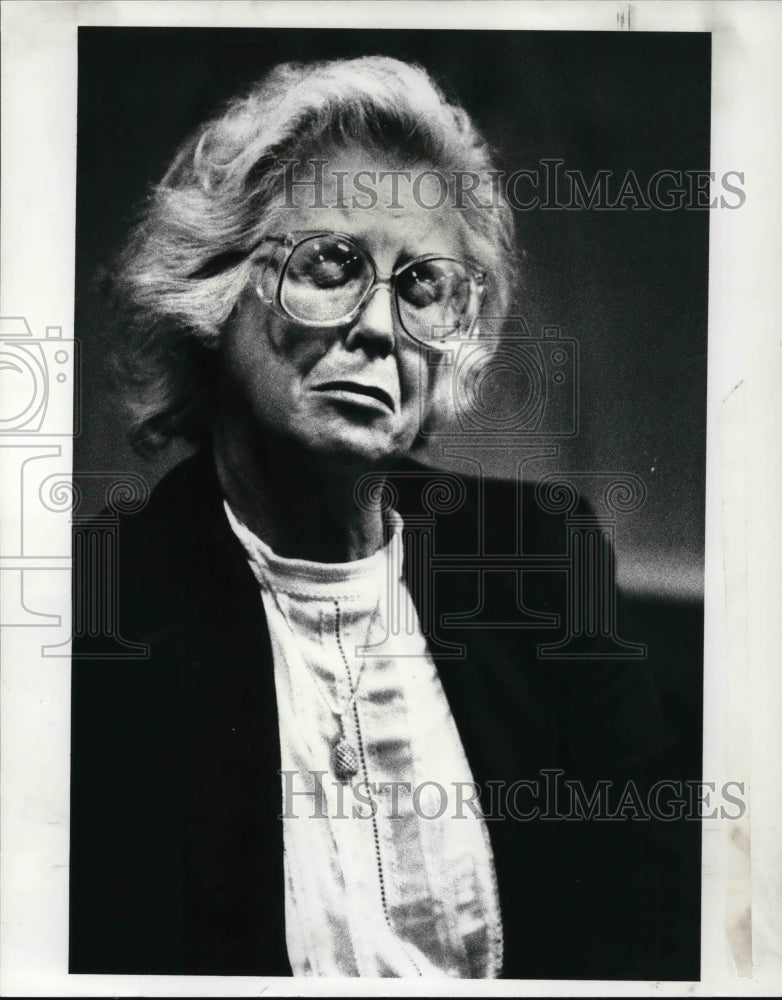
(352, 686)
(326, 698)
(345, 759)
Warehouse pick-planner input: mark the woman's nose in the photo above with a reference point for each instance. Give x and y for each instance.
(373, 329)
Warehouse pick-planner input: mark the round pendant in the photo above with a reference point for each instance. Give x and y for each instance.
(344, 760)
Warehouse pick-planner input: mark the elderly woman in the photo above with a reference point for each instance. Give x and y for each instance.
(292, 782)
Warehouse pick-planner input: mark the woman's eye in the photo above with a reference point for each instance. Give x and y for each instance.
(326, 270)
(331, 272)
(422, 286)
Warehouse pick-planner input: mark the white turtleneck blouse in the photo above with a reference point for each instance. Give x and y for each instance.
(389, 872)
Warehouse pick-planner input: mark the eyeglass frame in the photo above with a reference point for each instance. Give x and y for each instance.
(292, 240)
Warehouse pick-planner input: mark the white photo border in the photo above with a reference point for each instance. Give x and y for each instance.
(742, 860)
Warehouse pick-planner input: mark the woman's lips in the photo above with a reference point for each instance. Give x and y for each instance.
(358, 393)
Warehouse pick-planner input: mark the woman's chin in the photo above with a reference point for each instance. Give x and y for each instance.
(360, 447)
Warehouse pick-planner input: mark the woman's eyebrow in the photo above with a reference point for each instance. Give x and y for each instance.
(363, 239)
(404, 257)
(407, 251)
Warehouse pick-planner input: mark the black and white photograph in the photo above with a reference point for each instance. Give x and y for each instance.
(381, 463)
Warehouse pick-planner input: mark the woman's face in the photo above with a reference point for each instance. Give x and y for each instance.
(356, 392)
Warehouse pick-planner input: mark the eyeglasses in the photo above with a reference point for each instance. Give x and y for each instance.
(326, 279)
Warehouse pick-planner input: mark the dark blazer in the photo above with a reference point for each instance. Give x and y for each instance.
(176, 840)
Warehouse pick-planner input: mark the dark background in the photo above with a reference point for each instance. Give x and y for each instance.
(629, 286)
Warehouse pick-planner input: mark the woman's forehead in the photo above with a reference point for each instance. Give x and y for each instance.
(373, 198)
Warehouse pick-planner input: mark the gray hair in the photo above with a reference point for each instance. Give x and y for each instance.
(189, 258)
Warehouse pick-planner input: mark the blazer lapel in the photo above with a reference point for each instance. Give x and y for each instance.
(234, 876)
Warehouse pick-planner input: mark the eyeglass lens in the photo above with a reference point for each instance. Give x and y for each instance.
(327, 277)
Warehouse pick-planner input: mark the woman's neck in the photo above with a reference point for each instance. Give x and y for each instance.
(302, 507)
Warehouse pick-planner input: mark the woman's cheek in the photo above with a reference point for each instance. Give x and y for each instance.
(436, 391)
